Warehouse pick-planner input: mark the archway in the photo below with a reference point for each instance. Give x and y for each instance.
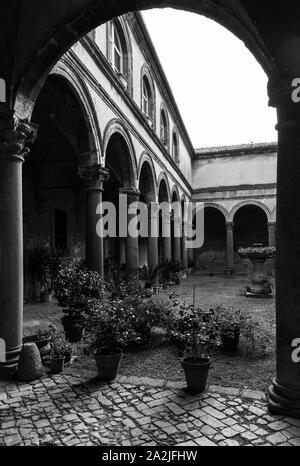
(176, 228)
(214, 247)
(119, 161)
(53, 198)
(147, 196)
(250, 226)
(164, 243)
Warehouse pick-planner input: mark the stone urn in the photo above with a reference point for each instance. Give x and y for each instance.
(259, 283)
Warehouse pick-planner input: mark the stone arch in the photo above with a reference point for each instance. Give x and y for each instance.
(116, 126)
(67, 71)
(145, 158)
(273, 215)
(74, 21)
(219, 207)
(237, 207)
(175, 192)
(164, 179)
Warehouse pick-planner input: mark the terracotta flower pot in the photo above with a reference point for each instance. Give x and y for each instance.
(108, 362)
(57, 365)
(74, 328)
(230, 340)
(196, 373)
(46, 297)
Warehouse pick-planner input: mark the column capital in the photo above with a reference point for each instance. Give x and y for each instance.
(284, 93)
(133, 194)
(272, 225)
(94, 175)
(229, 225)
(15, 135)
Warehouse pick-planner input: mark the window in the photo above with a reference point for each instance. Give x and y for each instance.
(175, 153)
(117, 59)
(60, 230)
(163, 128)
(146, 97)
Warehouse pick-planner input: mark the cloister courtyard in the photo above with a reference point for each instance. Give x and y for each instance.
(148, 403)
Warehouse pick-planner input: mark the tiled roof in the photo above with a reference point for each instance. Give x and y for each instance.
(240, 148)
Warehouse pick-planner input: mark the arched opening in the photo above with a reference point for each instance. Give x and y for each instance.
(176, 229)
(250, 227)
(163, 197)
(147, 190)
(214, 247)
(53, 198)
(118, 161)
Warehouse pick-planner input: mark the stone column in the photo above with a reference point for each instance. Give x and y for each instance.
(15, 134)
(166, 221)
(272, 234)
(177, 239)
(153, 234)
(284, 393)
(94, 176)
(132, 243)
(229, 246)
(184, 251)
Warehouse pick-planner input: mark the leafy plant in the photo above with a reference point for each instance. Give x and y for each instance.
(38, 260)
(194, 331)
(122, 281)
(150, 275)
(111, 323)
(257, 252)
(229, 320)
(77, 288)
(59, 348)
(257, 339)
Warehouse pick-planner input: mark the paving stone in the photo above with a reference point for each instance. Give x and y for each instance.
(276, 439)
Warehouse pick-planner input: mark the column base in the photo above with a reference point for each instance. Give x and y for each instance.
(8, 373)
(284, 400)
(229, 271)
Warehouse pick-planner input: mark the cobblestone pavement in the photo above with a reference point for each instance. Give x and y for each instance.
(79, 410)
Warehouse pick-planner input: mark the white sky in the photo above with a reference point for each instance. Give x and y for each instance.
(219, 87)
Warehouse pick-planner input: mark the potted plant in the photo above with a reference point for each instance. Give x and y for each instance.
(42, 337)
(259, 286)
(196, 331)
(231, 322)
(150, 276)
(37, 263)
(57, 356)
(111, 328)
(43, 264)
(76, 289)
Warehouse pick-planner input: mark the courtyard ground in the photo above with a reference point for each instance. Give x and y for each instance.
(227, 370)
(146, 406)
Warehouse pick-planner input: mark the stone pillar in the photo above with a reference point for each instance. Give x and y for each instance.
(229, 246)
(166, 221)
(15, 134)
(284, 393)
(94, 176)
(153, 235)
(132, 243)
(272, 234)
(184, 251)
(177, 239)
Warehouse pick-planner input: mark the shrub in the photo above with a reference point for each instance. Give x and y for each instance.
(230, 320)
(257, 339)
(77, 288)
(194, 331)
(112, 323)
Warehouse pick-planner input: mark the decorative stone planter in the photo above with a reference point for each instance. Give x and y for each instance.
(259, 284)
